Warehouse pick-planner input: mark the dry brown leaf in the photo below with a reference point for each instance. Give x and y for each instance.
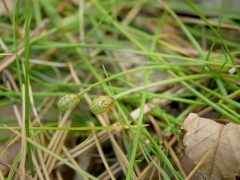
(223, 161)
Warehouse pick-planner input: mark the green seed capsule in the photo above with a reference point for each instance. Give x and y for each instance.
(68, 102)
(101, 104)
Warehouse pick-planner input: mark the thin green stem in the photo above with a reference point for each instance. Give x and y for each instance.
(15, 40)
(49, 32)
(127, 72)
(164, 82)
(137, 136)
(223, 98)
(210, 103)
(37, 12)
(143, 101)
(185, 29)
(221, 87)
(27, 56)
(169, 71)
(76, 168)
(213, 29)
(215, 40)
(14, 166)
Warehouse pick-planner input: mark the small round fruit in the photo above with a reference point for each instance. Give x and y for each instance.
(101, 104)
(68, 102)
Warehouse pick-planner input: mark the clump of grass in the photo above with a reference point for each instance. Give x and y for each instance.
(156, 67)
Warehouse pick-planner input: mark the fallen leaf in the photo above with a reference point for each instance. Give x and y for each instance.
(223, 161)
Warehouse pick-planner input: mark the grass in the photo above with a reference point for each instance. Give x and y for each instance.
(152, 61)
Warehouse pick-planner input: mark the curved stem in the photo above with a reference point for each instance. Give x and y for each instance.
(127, 72)
(168, 81)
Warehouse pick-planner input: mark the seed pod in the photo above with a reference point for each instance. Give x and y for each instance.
(68, 102)
(215, 67)
(101, 104)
